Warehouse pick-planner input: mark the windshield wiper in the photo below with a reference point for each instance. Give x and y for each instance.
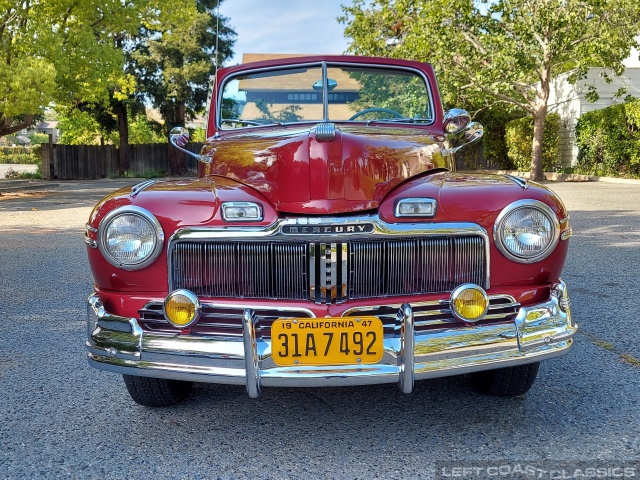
(390, 120)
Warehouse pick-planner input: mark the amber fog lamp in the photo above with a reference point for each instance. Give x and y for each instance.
(415, 207)
(241, 212)
(469, 302)
(182, 308)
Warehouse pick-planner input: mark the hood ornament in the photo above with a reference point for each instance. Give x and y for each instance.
(325, 132)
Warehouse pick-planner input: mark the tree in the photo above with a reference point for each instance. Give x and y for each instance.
(503, 51)
(173, 67)
(62, 52)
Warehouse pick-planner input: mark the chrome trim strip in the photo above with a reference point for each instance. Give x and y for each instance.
(312, 272)
(136, 189)
(91, 229)
(91, 243)
(325, 94)
(334, 265)
(249, 339)
(342, 294)
(407, 347)
(521, 182)
(381, 229)
(537, 205)
(566, 234)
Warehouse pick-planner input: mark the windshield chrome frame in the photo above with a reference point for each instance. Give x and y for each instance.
(325, 94)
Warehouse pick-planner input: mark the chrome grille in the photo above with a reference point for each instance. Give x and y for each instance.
(330, 272)
(412, 266)
(241, 269)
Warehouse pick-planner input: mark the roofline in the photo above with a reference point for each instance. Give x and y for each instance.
(278, 62)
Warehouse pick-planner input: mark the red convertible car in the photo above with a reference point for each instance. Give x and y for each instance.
(328, 241)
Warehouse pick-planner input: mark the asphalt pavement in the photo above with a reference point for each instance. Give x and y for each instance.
(61, 418)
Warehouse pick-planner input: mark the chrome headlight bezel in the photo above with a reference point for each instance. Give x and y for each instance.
(499, 234)
(131, 210)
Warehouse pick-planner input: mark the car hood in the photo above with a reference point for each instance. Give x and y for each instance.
(298, 173)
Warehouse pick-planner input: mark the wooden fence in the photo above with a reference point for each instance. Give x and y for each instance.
(87, 162)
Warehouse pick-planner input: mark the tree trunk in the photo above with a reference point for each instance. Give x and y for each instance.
(176, 157)
(123, 130)
(536, 148)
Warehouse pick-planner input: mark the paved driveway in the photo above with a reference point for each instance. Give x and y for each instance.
(60, 418)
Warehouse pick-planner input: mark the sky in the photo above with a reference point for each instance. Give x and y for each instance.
(285, 26)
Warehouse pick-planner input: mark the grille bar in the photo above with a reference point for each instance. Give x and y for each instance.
(328, 272)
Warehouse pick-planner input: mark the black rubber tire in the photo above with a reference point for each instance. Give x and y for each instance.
(506, 382)
(156, 392)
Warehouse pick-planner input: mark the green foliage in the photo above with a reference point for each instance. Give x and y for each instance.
(80, 127)
(141, 130)
(506, 51)
(609, 141)
(154, 174)
(64, 52)
(39, 138)
(494, 145)
(174, 60)
(519, 137)
(198, 135)
(20, 155)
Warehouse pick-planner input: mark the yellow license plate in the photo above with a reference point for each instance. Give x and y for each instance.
(326, 341)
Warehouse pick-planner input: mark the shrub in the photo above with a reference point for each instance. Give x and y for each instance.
(609, 141)
(519, 138)
(21, 155)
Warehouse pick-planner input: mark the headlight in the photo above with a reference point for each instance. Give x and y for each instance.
(526, 231)
(130, 238)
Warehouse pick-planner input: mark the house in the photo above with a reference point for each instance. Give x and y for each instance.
(308, 102)
(43, 127)
(569, 101)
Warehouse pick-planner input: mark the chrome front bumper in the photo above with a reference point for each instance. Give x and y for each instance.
(119, 344)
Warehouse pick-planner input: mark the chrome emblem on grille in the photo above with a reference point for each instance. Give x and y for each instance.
(327, 229)
(328, 272)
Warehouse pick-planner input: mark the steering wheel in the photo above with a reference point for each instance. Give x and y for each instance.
(376, 109)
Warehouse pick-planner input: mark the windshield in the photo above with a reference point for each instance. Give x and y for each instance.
(293, 95)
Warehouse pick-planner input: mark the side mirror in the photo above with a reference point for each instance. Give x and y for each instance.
(179, 138)
(456, 120)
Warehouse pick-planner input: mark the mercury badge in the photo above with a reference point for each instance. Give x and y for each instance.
(327, 229)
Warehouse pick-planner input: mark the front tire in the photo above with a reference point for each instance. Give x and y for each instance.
(506, 382)
(156, 392)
